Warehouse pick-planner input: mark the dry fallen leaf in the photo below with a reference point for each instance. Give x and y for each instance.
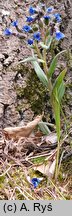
(25, 131)
(48, 169)
(42, 168)
(52, 168)
(52, 138)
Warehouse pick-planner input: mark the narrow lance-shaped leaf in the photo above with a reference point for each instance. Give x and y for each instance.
(54, 64)
(61, 91)
(40, 73)
(43, 127)
(59, 85)
(30, 59)
(59, 79)
(49, 40)
(52, 67)
(57, 94)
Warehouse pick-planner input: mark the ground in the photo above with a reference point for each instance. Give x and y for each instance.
(12, 50)
(18, 103)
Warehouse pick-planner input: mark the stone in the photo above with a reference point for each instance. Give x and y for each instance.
(2, 57)
(1, 110)
(12, 117)
(8, 61)
(1, 67)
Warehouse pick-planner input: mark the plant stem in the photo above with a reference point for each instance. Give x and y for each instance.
(38, 51)
(50, 86)
(57, 160)
(45, 62)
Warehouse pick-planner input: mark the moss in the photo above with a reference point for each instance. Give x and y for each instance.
(36, 95)
(67, 167)
(2, 178)
(38, 160)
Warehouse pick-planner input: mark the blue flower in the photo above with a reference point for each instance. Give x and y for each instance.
(26, 28)
(46, 17)
(36, 181)
(57, 17)
(29, 19)
(7, 32)
(37, 36)
(30, 41)
(15, 23)
(59, 35)
(32, 10)
(50, 9)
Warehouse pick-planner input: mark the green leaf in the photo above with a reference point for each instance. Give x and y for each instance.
(40, 73)
(56, 108)
(54, 64)
(52, 67)
(61, 91)
(59, 80)
(41, 60)
(57, 94)
(47, 45)
(43, 127)
(43, 45)
(30, 59)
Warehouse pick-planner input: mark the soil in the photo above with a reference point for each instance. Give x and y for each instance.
(15, 109)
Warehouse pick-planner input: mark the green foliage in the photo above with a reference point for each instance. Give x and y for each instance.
(31, 59)
(40, 73)
(59, 80)
(43, 127)
(54, 64)
(56, 108)
(52, 67)
(57, 94)
(44, 66)
(48, 43)
(2, 178)
(61, 91)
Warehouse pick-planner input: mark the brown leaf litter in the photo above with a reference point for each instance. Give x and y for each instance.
(19, 145)
(25, 131)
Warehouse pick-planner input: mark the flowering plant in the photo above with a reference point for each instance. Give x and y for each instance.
(42, 33)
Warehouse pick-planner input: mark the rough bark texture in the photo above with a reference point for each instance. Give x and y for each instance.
(12, 50)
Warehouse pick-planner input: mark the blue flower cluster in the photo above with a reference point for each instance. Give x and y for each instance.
(26, 28)
(30, 19)
(35, 182)
(15, 23)
(37, 36)
(57, 17)
(59, 35)
(7, 32)
(49, 16)
(32, 10)
(50, 9)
